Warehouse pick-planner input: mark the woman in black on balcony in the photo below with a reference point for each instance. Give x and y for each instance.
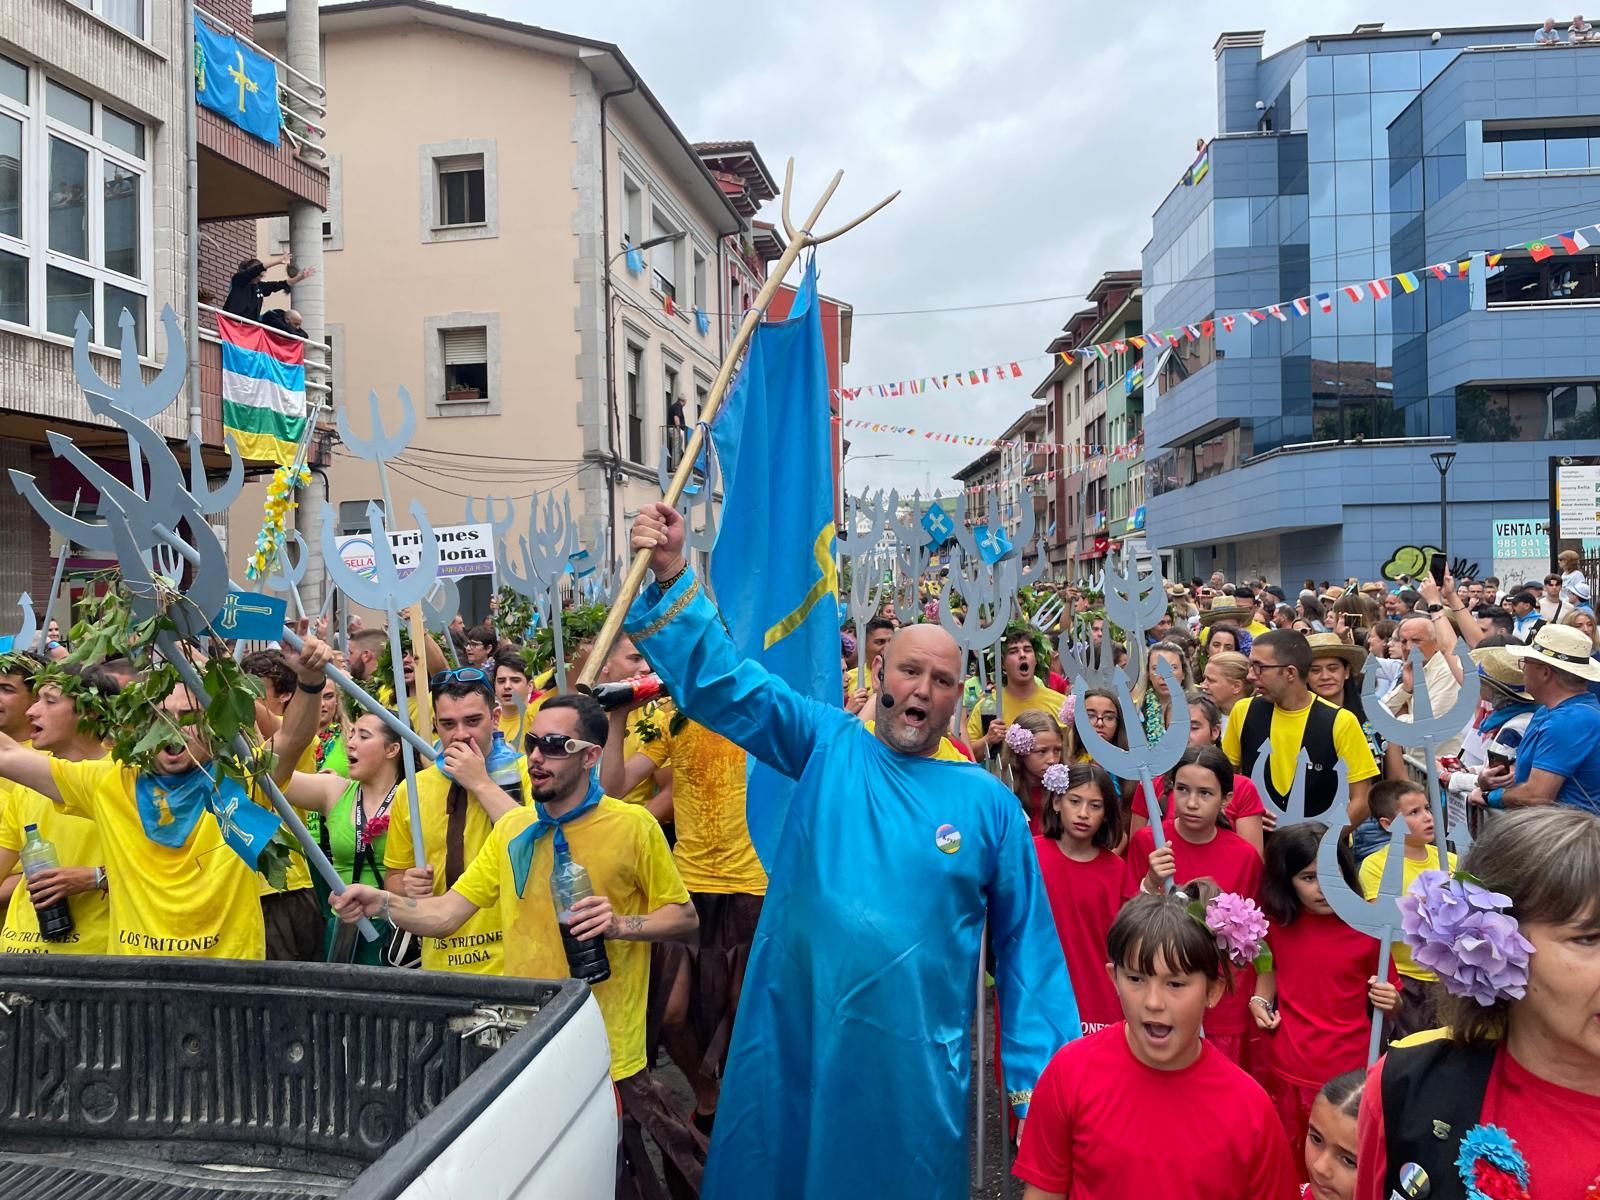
(246, 289)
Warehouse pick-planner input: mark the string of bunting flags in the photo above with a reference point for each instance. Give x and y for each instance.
(1074, 455)
(1573, 241)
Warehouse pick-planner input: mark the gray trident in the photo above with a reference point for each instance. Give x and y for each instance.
(198, 604)
(1427, 728)
(1379, 918)
(287, 572)
(380, 447)
(131, 393)
(499, 525)
(866, 597)
(29, 633)
(1134, 603)
(1293, 810)
(438, 613)
(388, 591)
(1141, 760)
(546, 550)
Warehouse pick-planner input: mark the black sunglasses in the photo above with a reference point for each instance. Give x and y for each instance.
(556, 745)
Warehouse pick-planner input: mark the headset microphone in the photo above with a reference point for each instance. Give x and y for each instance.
(884, 699)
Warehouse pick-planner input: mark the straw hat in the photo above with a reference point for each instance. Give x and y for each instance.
(1564, 647)
(1329, 645)
(1226, 610)
(1332, 594)
(1497, 665)
(1372, 588)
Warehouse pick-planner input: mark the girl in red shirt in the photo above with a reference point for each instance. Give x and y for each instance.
(1244, 809)
(1083, 880)
(1198, 847)
(1032, 746)
(1313, 1003)
(1509, 1103)
(1147, 1107)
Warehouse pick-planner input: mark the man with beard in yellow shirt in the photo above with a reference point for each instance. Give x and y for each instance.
(458, 805)
(61, 730)
(1020, 692)
(179, 841)
(638, 898)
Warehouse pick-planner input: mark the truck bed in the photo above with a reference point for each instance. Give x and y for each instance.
(166, 1079)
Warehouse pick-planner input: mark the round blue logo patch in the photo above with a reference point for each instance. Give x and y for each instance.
(947, 838)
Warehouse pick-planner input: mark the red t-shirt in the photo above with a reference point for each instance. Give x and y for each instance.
(1084, 899)
(1322, 967)
(1236, 867)
(1102, 1124)
(1244, 802)
(1553, 1127)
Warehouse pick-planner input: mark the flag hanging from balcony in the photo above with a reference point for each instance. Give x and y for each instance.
(263, 390)
(236, 82)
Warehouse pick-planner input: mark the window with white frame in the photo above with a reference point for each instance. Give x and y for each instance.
(664, 257)
(632, 211)
(127, 15)
(74, 210)
(701, 299)
(461, 195)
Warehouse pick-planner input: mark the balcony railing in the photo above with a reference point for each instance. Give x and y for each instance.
(319, 375)
(300, 97)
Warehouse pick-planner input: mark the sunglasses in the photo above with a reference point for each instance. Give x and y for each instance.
(462, 675)
(556, 745)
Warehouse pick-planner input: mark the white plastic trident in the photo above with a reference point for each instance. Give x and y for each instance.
(1427, 728)
(386, 590)
(1381, 917)
(798, 240)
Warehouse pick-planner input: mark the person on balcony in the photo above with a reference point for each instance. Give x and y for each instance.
(246, 290)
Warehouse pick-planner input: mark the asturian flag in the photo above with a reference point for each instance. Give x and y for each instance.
(236, 82)
(263, 390)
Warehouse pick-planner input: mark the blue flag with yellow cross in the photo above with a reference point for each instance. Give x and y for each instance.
(236, 82)
(772, 569)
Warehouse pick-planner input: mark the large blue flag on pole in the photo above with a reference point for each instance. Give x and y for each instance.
(232, 79)
(772, 570)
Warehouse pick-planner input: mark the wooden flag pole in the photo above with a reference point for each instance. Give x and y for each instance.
(798, 241)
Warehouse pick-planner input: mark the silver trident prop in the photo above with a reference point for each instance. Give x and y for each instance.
(381, 446)
(131, 393)
(437, 615)
(28, 634)
(546, 550)
(1134, 603)
(60, 571)
(287, 572)
(219, 499)
(866, 597)
(1381, 917)
(1293, 810)
(205, 596)
(386, 590)
(500, 525)
(1427, 728)
(1141, 760)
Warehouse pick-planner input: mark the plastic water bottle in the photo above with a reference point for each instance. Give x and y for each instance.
(569, 883)
(505, 767)
(55, 922)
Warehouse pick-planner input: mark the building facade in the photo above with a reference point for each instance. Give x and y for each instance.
(1067, 536)
(1301, 448)
(980, 480)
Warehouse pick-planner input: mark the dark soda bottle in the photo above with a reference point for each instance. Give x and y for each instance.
(569, 883)
(628, 691)
(55, 922)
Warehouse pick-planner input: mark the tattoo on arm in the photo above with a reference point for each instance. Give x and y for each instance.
(633, 927)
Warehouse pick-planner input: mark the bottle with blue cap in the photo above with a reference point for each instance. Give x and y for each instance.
(505, 767)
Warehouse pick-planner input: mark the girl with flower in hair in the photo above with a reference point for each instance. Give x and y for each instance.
(1199, 847)
(1147, 1106)
(1313, 1004)
(1032, 746)
(1504, 1102)
(1083, 880)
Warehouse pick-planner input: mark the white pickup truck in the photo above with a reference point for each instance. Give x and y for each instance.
(173, 1079)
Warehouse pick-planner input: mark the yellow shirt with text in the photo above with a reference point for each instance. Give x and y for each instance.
(476, 948)
(77, 843)
(713, 850)
(1043, 700)
(197, 900)
(1288, 730)
(1371, 878)
(623, 849)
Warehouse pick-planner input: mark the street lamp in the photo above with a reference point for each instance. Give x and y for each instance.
(1441, 463)
(648, 244)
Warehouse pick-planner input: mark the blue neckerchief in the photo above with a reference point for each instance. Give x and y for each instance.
(520, 848)
(1504, 713)
(170, 806)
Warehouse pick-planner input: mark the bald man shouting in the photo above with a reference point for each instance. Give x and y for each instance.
(851, 1059)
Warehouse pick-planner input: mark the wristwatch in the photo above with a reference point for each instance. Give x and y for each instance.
(1435, 608)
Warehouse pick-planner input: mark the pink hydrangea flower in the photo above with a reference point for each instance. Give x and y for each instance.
(1240, 926)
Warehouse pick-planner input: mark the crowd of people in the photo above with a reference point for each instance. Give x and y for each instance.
(1205, 987)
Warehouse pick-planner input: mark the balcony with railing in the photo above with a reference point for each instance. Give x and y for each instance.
(319, 381)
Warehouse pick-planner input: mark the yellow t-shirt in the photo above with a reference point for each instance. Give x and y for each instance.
(946, 752)
(475, 948)
(626, 855)
(713, 850)
(653, 716)
(298, 875)
(511, 724)
(1288, 728)
(7, 790)
(77, 843)
(1043, 700)
(1372, 876)
(197, 900)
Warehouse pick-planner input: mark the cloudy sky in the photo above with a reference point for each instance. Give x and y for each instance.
(1030, 139)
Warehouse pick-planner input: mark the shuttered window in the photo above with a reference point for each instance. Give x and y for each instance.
(466, 363)
(466, 346)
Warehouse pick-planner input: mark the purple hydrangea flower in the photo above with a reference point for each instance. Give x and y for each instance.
(1461, 931)
(1068, 711)
(1240, 926)
(930, 610)
(1055, 778)
(1019, 738)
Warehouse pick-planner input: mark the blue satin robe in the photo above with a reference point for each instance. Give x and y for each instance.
(851, 1058)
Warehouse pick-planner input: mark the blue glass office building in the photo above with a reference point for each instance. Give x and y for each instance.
(1302, 448)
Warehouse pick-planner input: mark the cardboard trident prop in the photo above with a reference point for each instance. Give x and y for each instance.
(798, 241)
(287, 572)
(28, 634)
(866, 597)
(1293, 810)
(439, 608)
(387, 591)
(546, 549)
(131, 393)
(498, 524)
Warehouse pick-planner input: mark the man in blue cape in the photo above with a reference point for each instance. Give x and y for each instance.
(851, 1058)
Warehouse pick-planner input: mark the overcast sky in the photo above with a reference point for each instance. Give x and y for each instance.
(1031, 141)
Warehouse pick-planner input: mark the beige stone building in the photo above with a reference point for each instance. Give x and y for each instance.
(474, 255)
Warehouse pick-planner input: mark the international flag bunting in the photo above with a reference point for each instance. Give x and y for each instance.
(1443, 270)
(1276, 311)
(1540, 250)
(1228, 322)
(1493, 260)
(1193, 331)
(1463, 267)
(1253, 317)
(1302, 305)
(1208, 327)
(263, 390)
(1407, 281)
(1136, 342)
(1354, 291)
(1324, 301)
(1379, 288)
(1156, 340)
